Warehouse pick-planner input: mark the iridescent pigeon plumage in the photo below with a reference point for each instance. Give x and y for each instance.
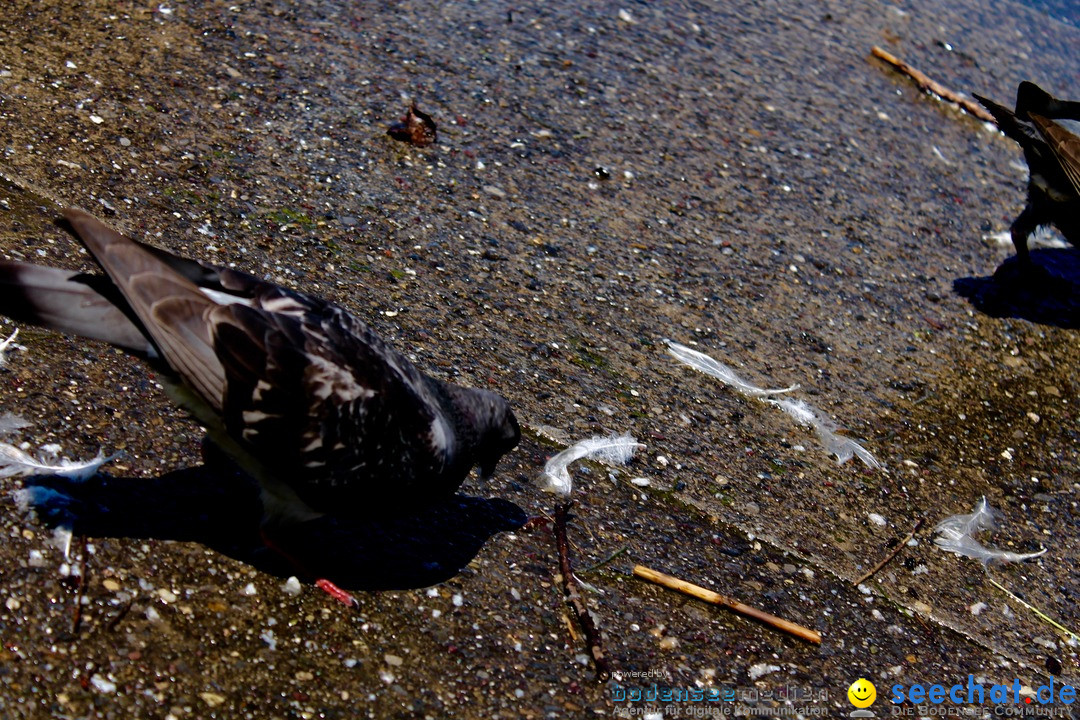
(303, 395)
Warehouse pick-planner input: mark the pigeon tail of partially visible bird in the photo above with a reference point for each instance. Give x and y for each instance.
(1007, 121)
(1033, 100)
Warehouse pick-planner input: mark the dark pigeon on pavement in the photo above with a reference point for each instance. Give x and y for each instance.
(1048, 131)
(303, 395)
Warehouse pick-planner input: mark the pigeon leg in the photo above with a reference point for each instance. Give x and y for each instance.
(1022, 227)
(337, 593)
(323, 584)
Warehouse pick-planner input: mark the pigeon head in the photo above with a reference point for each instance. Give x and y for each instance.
(484, 425)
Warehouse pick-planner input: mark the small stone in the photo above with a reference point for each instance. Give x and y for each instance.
(12, 604)
(97, 119)
(304, 676)
(212, 699)
(877, 519)
(669, 643)
(757, 670)
(101, 684)
(393, 660)
(292, 586)
(124, 142)
(110, 584)
(249, 590)
(458, 600)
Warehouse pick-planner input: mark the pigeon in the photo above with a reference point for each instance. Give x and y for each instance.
(299, 392)
(1048, 131)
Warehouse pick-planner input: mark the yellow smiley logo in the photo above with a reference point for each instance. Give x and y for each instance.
(862, 693)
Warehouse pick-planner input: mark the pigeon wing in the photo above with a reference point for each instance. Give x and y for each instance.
(170, 308)
(1064, 146)
(325, 405)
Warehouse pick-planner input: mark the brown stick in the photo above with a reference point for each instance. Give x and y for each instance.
(120, 613)
(717, 599)
(895, 551)
(80, 585)
(923, 81)
(573, 595)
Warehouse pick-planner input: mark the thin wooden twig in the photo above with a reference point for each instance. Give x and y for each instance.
(709, 596)
(895, 551)
(120, 613)
(1046, 618)
(605, 561)
(923, 81)
(80, 585)
(573, 595)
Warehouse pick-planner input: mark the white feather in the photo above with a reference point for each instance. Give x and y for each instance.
(14, 461)
(10, 422)
(844, 448)
(6, 346)
(956, 535)
(702, 362)
(614, 450)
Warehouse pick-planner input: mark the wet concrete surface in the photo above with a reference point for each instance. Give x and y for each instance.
(741, 177)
